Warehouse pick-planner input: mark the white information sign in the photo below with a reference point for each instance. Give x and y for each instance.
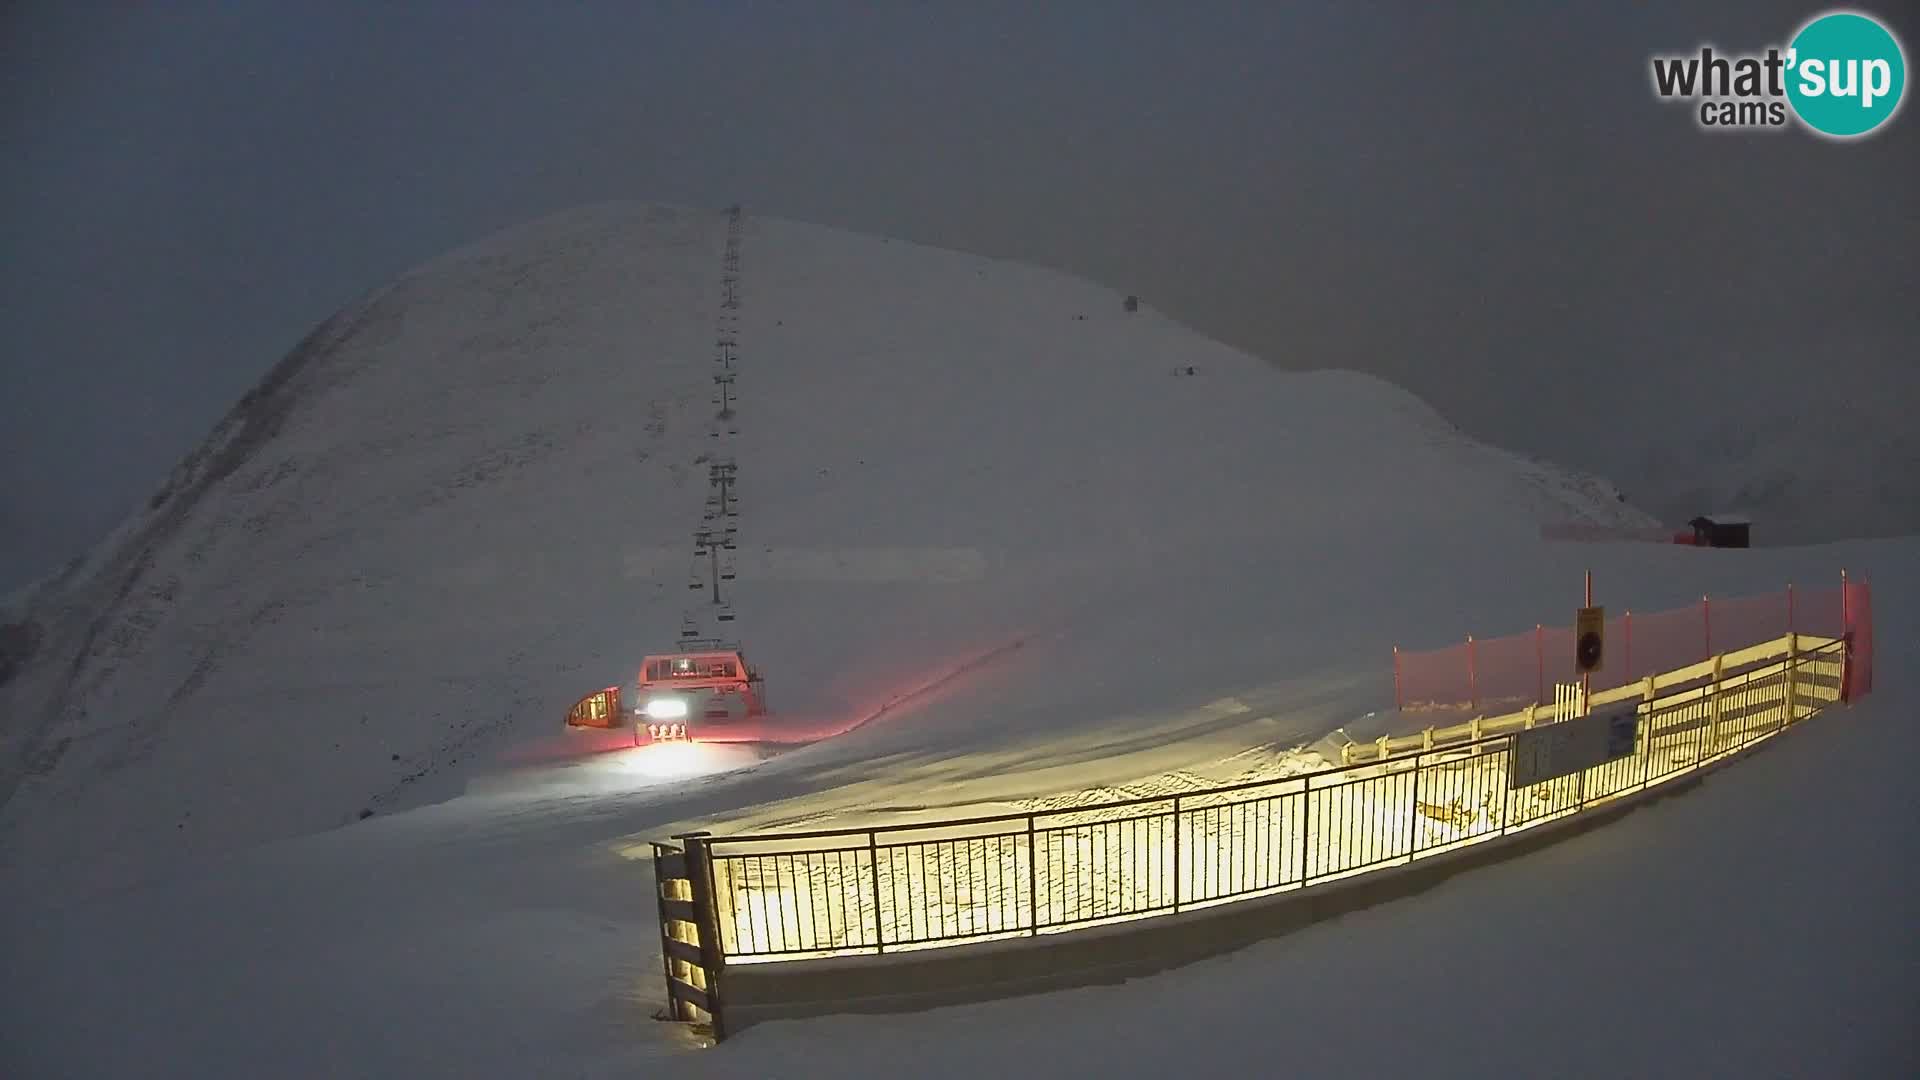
(1571, 746)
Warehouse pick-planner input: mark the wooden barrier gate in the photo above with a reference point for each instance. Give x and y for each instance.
(689, 937)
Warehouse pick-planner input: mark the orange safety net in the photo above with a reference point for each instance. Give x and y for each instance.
(1858, 679)
(1506, 673)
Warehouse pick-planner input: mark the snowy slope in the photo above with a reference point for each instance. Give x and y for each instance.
(468, 499)
(504, 935)
(1781, 889)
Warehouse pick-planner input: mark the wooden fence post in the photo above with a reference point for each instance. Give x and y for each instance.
(1713, 706)
(712, 958)
(1846, 637)
(1793, 676)
(1646, 710)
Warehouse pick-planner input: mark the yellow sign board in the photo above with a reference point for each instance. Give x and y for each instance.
(1589, 639)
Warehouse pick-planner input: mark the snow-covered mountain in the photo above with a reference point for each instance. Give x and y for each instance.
(470, 497)
(1838, 458)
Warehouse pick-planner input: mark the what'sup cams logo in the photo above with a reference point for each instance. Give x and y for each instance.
(1842, 76)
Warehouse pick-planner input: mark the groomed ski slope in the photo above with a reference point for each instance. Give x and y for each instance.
(470, 499)
(1205, 571)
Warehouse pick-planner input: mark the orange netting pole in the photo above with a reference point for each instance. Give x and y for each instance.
(1586, 680)
(1539, 663)
(1706, 618)
(1473, 677)
(1399, 705)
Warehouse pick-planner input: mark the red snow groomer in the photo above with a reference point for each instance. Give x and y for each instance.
(680, 694)
(683, 693)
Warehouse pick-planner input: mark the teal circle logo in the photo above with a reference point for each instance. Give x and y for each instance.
(1846, 74)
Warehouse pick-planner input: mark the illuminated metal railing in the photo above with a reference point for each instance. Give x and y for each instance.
(813, 894)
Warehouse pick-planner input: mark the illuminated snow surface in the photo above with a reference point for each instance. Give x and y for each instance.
(474, 510)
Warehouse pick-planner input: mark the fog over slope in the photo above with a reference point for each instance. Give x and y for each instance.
(469, 498)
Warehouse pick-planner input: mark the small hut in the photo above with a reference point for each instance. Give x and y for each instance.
(1721, 530)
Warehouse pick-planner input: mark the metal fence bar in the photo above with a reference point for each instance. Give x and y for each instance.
(1178, 832)
(873, 869)
(1033, 883)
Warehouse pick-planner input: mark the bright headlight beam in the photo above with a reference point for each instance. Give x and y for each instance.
(666, 708)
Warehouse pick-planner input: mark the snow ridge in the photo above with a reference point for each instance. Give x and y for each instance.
(430, 529)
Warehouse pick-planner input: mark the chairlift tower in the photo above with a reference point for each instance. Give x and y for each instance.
(721, 476)
(712, 544)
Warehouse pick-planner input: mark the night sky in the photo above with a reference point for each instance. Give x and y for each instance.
(1482, 202)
